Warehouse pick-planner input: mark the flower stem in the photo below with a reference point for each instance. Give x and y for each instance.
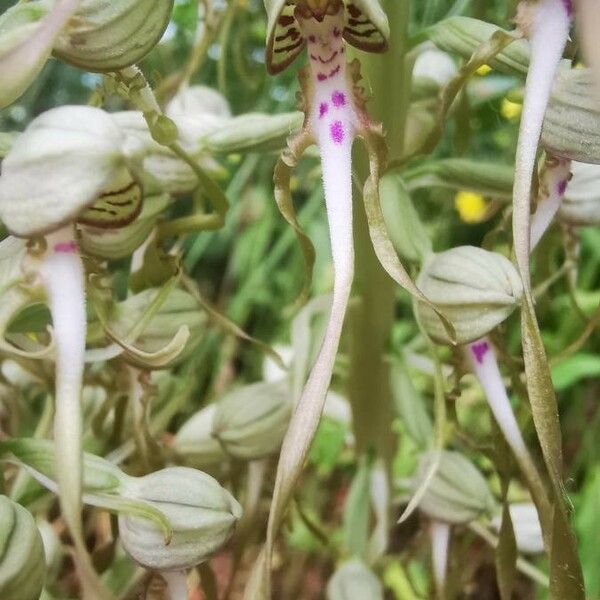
(176, 584)
(440, 543)
(484, 364)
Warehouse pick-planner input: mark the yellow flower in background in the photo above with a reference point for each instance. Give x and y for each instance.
(471, 207)
(483, 70)
(510, 110)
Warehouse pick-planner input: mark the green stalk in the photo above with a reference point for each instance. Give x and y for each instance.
(371, 320)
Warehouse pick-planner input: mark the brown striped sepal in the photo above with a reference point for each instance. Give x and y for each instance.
(366, 27)
(118, 206)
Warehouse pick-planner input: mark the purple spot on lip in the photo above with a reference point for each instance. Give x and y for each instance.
(337, 132)
(338, 98)
(66, 247)
(562, 187)
(321, 77)
(568, 4)
(323, 109)
(479, 350)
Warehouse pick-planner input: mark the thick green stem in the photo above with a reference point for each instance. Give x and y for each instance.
(372, 318)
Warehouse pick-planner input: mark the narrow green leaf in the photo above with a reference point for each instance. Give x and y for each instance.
(506, 556)
(357, 512)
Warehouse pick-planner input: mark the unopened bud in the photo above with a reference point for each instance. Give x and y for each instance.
(22, 562)
(107, 36)
(203, 516)
(475, 289)
(250, 422)
(457, 493)
(353, 580)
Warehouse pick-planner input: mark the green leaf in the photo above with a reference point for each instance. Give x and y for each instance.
(357, 512)
(506, 556)
(575, 368)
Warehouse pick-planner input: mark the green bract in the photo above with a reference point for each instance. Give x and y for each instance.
(105, 35)
(475, 289)
(250, 422)
(457, 493)
(22, 562)
(59, 167)
(203, 516)
(367, 29)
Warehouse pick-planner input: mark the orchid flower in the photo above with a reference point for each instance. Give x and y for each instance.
(546, 24)
(334, 116)
(481, 355)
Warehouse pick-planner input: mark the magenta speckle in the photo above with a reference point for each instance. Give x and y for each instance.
(479, 350)
(66, 247)
(312, 39)
(321, 77)
(337, 132)
(338, 98)
(568, 4)
(562, 187)
(323, 109)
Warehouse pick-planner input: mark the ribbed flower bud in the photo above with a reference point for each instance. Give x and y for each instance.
(107, 36)
(202, 514)
(195, 440)
(353, 580)
(457, 493)
(57, 168)
(22, 562)
(475, 289)
(250, 422)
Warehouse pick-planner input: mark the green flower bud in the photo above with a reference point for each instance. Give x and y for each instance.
(250, 422)
(202, 514)
(58, 167)
(354, 581)
(572, 119)
(457, 493)
(581, 203)
(195, 440)
(475, 289)
(107, 36)
(114, 244)
(22, 562)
